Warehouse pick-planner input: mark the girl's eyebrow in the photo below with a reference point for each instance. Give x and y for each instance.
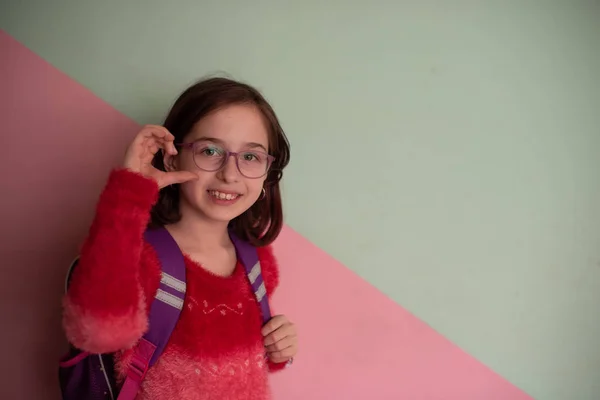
(220, 142)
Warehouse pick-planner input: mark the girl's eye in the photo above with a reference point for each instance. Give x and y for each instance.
(253, 157)
(210, 151)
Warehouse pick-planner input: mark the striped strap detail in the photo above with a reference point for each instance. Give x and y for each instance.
(254, 273)
(172, 282)
(260, 292)
(169, 299)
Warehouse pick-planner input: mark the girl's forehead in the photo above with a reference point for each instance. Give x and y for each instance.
(236, 125)
(212, 141)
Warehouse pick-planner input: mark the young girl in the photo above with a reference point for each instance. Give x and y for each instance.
(215, 165)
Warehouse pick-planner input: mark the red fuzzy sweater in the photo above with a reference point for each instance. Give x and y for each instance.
(216, 350)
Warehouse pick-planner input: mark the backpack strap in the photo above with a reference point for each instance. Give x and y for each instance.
(249, 257)
(168, 302)
(164, 311)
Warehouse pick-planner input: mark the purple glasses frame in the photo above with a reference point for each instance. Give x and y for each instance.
(228, 154)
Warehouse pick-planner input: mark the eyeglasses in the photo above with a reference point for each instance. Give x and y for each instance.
(210, 157)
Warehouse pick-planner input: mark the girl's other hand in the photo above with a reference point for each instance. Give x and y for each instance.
(280, 339)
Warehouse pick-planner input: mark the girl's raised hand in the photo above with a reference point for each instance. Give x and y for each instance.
(142, 149)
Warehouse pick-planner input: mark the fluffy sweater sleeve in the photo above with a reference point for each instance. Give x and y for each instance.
(105, 308)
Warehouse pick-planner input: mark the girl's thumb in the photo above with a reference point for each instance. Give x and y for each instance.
(172, 178)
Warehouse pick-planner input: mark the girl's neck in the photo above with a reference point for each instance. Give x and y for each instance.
(197, 233)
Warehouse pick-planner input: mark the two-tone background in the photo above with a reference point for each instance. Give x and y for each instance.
(442, 203)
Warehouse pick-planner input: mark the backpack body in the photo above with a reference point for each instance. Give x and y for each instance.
(86, 376)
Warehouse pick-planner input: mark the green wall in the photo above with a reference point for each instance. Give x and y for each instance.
(446, 151)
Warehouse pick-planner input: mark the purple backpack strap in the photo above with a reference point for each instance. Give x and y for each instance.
(164, 311)
(249, 257)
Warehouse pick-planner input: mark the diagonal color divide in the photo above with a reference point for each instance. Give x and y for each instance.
(355, 342)
(358, 344)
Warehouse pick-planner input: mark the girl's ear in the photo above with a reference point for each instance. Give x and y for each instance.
(170, 162)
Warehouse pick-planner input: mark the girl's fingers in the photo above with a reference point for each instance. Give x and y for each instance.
(166, 142)
(169, 147)
(157, 133)
(281, 345)
(153, 148)
(153, 144)
(281, 356)
(288, 329)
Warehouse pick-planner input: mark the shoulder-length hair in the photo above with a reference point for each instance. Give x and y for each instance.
(262, 222)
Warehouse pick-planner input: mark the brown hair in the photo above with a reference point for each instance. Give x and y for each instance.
(261, 223)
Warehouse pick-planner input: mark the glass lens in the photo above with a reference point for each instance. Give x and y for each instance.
(253, 164)
(208, 156)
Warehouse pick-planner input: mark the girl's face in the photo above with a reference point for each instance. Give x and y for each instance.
(224, 194)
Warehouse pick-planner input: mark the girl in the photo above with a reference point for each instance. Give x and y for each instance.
(215, 165)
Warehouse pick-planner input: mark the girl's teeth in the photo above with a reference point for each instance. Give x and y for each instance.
(223, 196)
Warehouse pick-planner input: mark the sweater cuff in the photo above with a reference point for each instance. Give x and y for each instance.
(274, 367)
(126, 186)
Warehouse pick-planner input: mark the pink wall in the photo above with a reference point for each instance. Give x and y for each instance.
(59, 143)
(62, 141)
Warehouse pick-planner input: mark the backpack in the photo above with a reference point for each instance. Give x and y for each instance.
(86, 376)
